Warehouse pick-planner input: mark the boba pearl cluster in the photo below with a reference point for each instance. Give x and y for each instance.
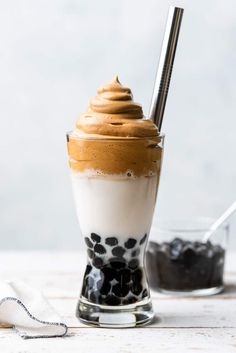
(114, 274)
(183, 265)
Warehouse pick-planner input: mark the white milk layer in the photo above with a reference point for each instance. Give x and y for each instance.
(113, 205)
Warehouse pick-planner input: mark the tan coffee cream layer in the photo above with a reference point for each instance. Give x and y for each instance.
(113, 137)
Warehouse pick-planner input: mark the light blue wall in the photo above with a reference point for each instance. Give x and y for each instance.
(54, 54)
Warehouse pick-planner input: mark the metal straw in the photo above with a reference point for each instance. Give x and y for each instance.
(165, 65)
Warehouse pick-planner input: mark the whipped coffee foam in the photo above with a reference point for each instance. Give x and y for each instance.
(113, 136)
(112, 112)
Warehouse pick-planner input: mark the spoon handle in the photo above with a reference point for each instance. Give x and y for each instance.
(220, 221)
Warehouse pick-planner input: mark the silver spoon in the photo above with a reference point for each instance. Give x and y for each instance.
(228, 213)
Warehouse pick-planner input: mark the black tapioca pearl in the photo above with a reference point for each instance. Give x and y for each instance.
(88, 242)
(105, 288)
(120, 290)
(112, 241)
(143, 239)
(134, 263)
(135, 252)
(95, 237)
(137, 275)
(102, 300)
(129, 300)
(117, 263)
(97, 262)
(98, 248)
(136, 288)
(94, 297)
(109, 273)
(123, 276)
(133, 300)
(90, 253)
(88, 270)
(130, 243)
(176, 248)
(111, 299)
(118, 251)
(145, 293)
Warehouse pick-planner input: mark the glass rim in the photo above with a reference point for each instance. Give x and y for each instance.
(115, 138)
(198, 226)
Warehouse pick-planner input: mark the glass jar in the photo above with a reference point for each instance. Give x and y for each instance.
(179, 262)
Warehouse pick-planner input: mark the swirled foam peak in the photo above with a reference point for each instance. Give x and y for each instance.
(112, 112)
(113, 137)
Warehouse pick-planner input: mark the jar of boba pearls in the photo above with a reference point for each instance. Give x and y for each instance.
(179, 262)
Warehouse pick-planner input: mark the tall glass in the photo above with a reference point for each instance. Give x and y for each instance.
(115, 213)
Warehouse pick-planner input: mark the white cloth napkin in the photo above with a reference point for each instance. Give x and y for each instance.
(28, 311)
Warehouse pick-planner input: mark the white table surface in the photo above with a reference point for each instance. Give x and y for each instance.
(181, 325)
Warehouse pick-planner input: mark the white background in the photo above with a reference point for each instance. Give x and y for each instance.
(53, 56)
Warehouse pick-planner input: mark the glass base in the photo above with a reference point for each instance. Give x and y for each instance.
(121, 316)
(193, 293)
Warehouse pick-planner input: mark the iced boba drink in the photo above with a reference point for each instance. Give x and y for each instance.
(115, 158)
